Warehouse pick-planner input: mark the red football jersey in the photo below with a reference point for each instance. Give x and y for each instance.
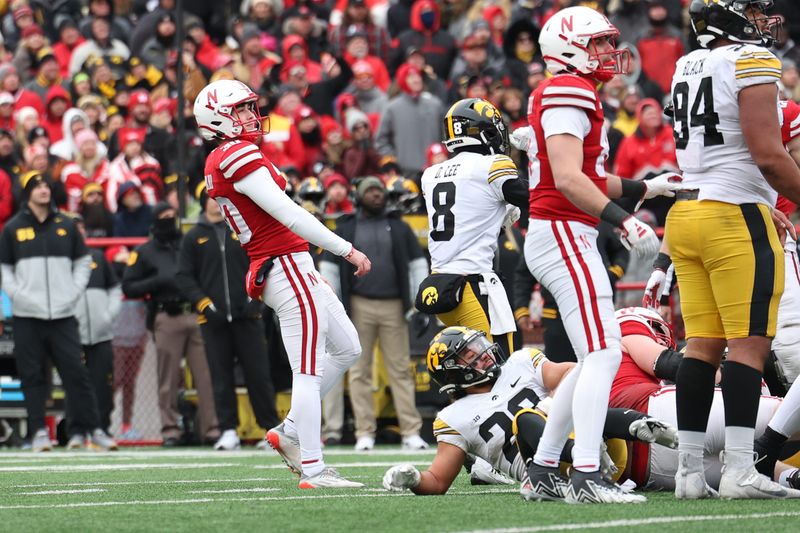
(630, 379)
(565, 90)
(261, 236)
(790, 130)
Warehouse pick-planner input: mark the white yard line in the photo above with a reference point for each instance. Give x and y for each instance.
(639, 522)
(316, 496)
(161, 482)
(233, 491)
(345, 465)
(98, 468)
(47, 492)
(150, 453)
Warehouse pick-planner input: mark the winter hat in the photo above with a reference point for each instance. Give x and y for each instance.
(303, 112)
(129, 135)
(33, 29)
(159, 208)
(22, 11)
(5, 70)
(368, 183)
(89, 188)
(402, 74)
(6, 98)
(125, 188)
(434, 150)
(140, 97)
(353, 117)
(363, 68)
(29, 181)
(85, 135)
(25, 113)
(335, 178)
(36, 133)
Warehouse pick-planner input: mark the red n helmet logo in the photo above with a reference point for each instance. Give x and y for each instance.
(566, 24)
(211, 97)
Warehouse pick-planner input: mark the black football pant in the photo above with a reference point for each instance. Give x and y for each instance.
(37, 340)
(99, 359)
(243, 341)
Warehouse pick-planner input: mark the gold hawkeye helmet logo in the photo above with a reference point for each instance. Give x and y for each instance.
(435, 353)
(430, 296)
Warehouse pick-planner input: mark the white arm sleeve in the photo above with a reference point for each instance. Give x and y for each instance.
(569, 120)
(262, 189)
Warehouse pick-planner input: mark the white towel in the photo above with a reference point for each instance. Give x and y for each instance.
(500, 315)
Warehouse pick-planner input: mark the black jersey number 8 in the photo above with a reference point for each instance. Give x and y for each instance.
(709, 119)
(444, 198)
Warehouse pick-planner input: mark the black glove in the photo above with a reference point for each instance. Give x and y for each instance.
(207, 308)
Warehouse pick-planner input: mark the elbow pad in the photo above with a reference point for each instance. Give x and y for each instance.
(667, 363)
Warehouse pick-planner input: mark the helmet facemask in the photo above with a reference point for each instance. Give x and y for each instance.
(475, 363)
(603, 66)
(740, 21)
(250, 129)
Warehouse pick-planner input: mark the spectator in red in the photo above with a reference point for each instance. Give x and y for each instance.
(436, 153)
(10, 82)
(426, 35)
(321, 95)
(69, 38)
(432, 83)
(660, 47)
(6, 198)
(337, 194)
(90, 165)
(497, 20)
(282, 144)
(6, 111)
(369, 96)
(361, 159)
(157, 141)
(207, 53)
(57, 103)
(334, 143)
(133, 164)
(307, 122)
(648, 152)
(357, 12)
(357, 50)
(9, 158)
(295, 52)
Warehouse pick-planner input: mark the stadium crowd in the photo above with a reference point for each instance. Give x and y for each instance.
(352, 93)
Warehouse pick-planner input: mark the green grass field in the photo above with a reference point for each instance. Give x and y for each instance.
(199, 490)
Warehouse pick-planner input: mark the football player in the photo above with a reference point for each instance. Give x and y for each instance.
(320, 340)
(648, 357)
(569, 195)
(468, 199)
(494, 416)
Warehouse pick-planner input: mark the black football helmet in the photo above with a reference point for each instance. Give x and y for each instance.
(311, 190)
(403, 196)
(727, 19)
(475, 125)
(459, 358)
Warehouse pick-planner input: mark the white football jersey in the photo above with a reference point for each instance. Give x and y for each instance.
(480, 424)
(711, 148)
(466, 209)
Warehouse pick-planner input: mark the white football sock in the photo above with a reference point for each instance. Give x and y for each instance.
(306, 413)
(559, 421)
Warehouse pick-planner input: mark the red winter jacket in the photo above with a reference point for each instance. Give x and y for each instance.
(54, 125)
(63, 54)
(639, 156)
(660, 53)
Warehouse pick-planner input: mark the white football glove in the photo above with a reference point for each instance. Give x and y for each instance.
(655, 431)
(512, 215)
(654, 289)
(521, 138)
(662, 185)
(639, 237)
(401, 477)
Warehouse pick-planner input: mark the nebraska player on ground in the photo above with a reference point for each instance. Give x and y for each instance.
(274, 231)
(570, 192)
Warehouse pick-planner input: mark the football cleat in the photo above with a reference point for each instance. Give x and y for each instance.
(287, 447)
(329, 478)
(364, 444)
(482, 473)
(690, 479)
(741, 481)
(543, 484)
(651, 430)
(229, 440)
(592, 487)
(41, 441)
(98, 440)
(414, 442)
(76, 441)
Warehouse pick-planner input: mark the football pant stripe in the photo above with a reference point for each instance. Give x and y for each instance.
(313, 309)
(592, 292)
(764, 271)
(575, 282)
(584, 292)
(303, 318)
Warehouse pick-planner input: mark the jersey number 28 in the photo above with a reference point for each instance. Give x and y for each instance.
(684, 118)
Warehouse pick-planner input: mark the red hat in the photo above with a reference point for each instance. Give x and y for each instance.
(473, 41)
(363, 68)
(164, 104)
(434, 150)
(129, 135)
(33, 29)
(335, 177)
(140, 97)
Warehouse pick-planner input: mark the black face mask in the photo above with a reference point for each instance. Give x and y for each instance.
(165, 229)
(658, 23)
(374, 211)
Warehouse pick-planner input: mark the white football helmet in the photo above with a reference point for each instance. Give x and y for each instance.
(660, 329)
(215, 111)
(565, 40)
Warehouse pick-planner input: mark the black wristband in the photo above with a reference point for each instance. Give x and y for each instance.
(662, 262)
(666, 366)
(614, 214)
(632, 188)
(664, 300)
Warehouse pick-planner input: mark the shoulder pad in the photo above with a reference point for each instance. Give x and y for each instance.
(755, 61)
(570, 91)
(440, 427)
(236, 155)
(502, 166)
